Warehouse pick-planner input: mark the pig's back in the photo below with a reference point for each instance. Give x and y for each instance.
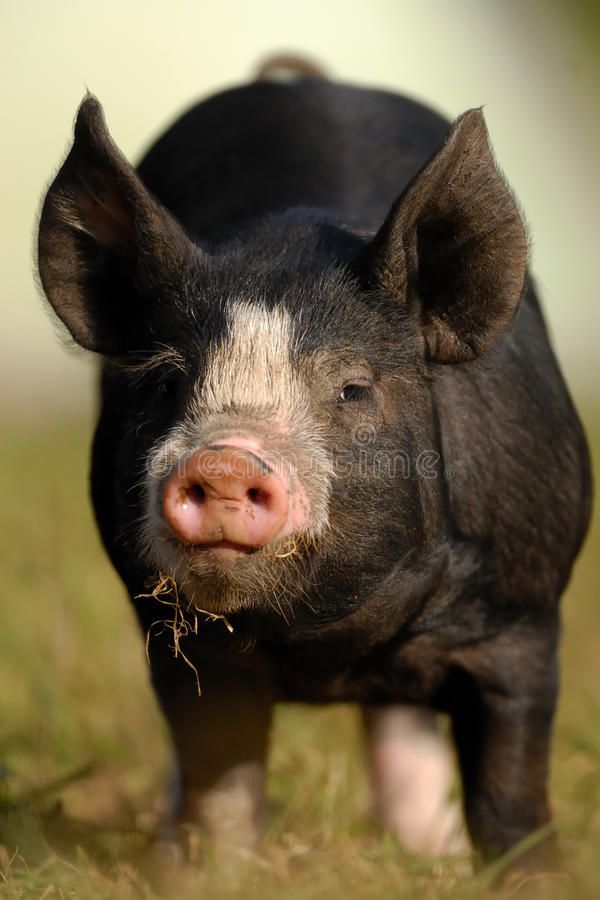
(267, 147)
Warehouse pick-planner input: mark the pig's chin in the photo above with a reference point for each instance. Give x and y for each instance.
(225, 577)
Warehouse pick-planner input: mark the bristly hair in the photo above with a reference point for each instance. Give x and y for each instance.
(143, 362)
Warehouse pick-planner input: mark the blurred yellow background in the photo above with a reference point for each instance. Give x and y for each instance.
(534, 65)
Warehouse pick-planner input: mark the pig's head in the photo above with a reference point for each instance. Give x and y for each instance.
(268, 392)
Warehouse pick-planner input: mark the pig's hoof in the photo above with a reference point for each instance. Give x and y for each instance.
(169, 851)
(412, 773)
(526, 884)
(440, 836)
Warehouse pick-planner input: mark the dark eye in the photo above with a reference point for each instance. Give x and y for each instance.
(350, 393)
(168, 387)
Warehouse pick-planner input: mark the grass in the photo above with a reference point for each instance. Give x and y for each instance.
(84, 753)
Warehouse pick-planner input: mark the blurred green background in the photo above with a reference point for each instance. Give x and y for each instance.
(82, 748)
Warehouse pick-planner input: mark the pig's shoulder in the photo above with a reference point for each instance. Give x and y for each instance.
(514, 451)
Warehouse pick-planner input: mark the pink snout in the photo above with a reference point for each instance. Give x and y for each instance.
(228, 497)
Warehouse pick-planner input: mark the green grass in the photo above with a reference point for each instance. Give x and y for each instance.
(84, 754)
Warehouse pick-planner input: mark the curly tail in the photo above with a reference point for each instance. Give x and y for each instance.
(288, 67)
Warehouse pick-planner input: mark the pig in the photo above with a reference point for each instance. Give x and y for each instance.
(335, 459)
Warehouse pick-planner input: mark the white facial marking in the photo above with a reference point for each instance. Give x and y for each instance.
(252, 367)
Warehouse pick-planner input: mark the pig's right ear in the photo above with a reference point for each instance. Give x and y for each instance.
(454, 248)
(104, 241)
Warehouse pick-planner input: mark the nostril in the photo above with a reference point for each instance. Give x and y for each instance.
(195, 493)
(257, 496)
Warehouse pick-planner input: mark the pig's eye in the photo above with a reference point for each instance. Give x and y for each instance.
(350, 393)
(167, 388)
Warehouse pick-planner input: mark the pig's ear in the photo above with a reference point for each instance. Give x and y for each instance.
(454, 245)
(104, 241)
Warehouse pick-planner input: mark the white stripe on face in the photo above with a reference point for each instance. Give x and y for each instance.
(251, 368)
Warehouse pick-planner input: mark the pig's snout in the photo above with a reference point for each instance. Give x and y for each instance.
(230, 498)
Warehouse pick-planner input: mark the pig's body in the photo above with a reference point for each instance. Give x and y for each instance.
(267, 148)
(441, 588)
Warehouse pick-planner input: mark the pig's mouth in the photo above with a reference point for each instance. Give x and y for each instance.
(225, 552)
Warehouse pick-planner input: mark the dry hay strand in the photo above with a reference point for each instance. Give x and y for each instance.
(182, 623)
(292, 545)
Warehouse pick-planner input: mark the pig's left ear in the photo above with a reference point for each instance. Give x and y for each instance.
(454, 245)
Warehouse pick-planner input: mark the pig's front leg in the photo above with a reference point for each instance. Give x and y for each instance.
(221, 742)
(503, 707)
(412, 770)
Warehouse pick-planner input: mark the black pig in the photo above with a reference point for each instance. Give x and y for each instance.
(331, 416)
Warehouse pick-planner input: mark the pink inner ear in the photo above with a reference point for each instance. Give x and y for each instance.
(103, 211)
